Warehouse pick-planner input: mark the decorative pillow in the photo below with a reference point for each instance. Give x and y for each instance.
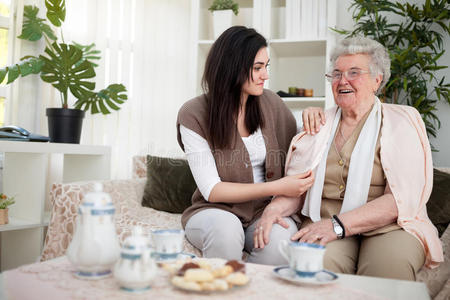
(438, 207)
(170, 184)
(139, 167)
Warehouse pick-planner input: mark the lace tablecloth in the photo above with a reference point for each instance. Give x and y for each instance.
(54, 279)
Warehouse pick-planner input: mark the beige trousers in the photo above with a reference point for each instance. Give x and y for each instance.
(395, 254)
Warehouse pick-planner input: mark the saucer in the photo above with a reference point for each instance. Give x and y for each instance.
(92, 275)
(322, 278)
(169, 258)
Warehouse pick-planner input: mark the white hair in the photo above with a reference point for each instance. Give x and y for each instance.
(380, 63)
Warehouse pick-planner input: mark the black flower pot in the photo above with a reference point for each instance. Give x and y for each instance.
(64, 125)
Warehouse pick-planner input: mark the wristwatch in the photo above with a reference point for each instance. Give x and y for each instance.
(337, 227)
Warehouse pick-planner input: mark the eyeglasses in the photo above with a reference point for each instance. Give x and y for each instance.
(351, 74)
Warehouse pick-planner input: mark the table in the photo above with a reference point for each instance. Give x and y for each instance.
(53, 279)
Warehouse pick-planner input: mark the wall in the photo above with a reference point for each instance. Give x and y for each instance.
(442, 142)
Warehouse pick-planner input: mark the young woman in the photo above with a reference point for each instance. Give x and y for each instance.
(235, 137)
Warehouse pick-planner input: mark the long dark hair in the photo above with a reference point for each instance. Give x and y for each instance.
(228, 66)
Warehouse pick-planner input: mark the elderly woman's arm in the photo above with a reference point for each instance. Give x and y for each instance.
(374, 214)
(278, 208)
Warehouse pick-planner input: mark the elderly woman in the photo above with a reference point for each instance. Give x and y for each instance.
(373, 176)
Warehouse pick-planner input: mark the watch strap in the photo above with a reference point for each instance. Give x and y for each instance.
(340, 224)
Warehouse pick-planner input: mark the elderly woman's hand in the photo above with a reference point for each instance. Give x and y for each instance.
(263, 228)
(320, 232)
(312, 118)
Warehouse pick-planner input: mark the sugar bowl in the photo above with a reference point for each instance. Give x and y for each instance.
(135, 268)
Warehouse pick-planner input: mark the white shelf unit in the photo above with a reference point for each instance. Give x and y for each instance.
(27, 175)
(301, 61)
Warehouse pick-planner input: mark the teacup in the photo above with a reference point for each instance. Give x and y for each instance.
(304, 258)
(167, 243)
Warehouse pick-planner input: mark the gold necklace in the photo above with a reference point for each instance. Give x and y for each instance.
(342, 135)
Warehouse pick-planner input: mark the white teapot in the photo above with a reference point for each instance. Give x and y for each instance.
(135, 268)
(95, 246)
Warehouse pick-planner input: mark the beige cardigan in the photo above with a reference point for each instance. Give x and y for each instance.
(406, 161)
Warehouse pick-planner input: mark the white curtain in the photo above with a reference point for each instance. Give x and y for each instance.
(144, 45)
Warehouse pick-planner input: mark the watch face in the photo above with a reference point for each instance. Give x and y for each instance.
(337, 228)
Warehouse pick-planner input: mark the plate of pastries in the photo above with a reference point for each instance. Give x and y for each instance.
(207, 275)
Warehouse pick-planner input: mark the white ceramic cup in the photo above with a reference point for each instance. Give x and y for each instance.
(168, 242)
(304, 258)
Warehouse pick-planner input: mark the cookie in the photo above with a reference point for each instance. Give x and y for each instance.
(208, 286)
(222, 272)
(237, 278)
(180, 282)
(237, 266)
(200, 275)
(187, 266)
(220, 285)
(204, 264)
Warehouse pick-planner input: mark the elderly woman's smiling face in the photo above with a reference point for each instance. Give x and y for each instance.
(357, 86)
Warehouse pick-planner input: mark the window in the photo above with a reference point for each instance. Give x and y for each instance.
(4, 31)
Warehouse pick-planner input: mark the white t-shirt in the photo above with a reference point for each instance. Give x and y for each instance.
(202, 163)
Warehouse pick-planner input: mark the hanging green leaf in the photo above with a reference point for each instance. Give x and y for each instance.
(56, 11)
(33, 27)
(28, 65)
(104, 100)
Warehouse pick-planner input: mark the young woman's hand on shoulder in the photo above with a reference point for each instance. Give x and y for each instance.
(313, 119)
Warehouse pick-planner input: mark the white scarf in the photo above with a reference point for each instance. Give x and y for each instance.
(360, 169)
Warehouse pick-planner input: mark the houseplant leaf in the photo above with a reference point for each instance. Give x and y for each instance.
(33, 26)
(60, 69)
(89, 52)
(100, 101)
(56, 11)
(28, 65)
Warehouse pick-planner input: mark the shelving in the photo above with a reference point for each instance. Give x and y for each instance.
(28, 172)
(295, 60)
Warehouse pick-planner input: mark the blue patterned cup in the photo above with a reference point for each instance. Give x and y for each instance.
(304, 258)
(168, 243)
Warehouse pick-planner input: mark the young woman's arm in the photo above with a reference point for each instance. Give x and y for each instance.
(290, 186)
(204, 170)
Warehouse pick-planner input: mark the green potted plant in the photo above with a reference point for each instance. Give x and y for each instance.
(69, 67)
(413, 35)
(5, 202)
(222, 15)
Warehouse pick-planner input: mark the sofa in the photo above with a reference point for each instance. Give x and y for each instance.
(127, 197)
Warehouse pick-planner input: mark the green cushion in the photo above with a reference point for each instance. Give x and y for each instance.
(438, 207)
(169, 186)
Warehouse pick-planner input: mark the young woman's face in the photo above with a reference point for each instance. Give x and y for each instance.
(255, 86)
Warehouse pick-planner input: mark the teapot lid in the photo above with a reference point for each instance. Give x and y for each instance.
(137, 242)
(97, 198)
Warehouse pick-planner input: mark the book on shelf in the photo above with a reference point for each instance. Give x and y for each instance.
(322, 18)
(306, 19)
(261, 15)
